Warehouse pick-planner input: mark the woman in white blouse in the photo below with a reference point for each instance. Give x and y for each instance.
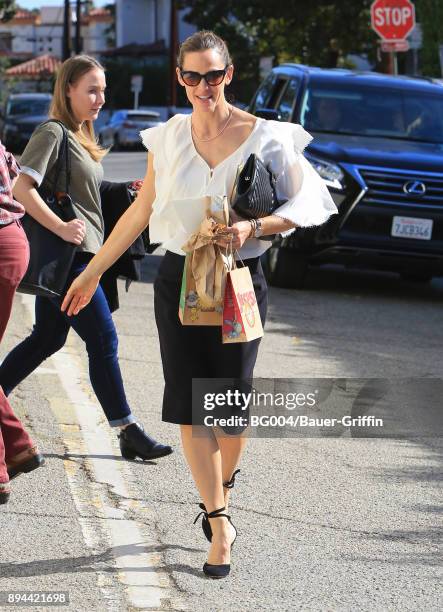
(190, 157)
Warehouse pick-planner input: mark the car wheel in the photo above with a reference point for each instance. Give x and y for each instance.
(416, 277)
(285, 267)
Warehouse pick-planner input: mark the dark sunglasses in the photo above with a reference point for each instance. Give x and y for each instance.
(213, 77)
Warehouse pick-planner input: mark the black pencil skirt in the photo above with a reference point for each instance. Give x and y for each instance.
(191, 351)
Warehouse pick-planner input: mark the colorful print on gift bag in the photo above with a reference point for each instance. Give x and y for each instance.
(191, 311)
(241, 317)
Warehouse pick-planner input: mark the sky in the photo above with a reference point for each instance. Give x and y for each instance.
(31, 4)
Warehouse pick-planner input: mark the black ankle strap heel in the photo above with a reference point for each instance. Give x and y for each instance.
(205, 522)
(229, 484)
(222, 570)
(218, 513)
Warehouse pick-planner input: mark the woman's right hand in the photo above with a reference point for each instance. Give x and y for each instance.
(73, 231)
(80, 292)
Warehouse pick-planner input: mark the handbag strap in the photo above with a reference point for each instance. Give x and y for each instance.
(64, 156)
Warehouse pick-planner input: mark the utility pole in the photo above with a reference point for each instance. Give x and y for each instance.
(173, 48)
(78, 25)
(155, 20)
(67, 31)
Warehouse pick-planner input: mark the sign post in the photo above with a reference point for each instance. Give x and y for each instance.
(136, 87)
(393, 20)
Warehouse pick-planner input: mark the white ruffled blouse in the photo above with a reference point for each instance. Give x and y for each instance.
(182, 177)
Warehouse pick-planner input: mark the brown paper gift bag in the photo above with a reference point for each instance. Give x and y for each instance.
(241, 317)
(193, 310)
(204, 272)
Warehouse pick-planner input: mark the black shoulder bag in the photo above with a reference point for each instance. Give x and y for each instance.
(51, 257)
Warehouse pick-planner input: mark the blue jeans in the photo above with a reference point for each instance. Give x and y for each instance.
(95, 327)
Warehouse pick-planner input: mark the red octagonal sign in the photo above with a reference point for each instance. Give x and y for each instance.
(393, 19)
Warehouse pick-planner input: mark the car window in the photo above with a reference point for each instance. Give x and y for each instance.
(264, 93)
(279, 87)
(27, 107)
(117, 116)
(373, 111)
(287, 100)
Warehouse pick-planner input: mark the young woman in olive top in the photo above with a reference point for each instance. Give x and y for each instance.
(78, 98)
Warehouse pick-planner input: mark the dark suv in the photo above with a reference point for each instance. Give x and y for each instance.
(20, 116)
(378, 145)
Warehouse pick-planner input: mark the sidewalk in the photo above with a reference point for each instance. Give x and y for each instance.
(73, 525)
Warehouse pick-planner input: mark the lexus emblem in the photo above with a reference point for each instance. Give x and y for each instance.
(416, 188)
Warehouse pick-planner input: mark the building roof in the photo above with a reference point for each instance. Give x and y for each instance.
(24, 17)
(97, 15)
(43, 65)
(54, 14)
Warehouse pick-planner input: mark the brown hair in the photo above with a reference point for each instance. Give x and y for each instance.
(68, 74)
(200, 41)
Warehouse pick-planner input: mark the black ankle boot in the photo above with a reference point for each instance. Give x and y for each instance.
(134, 442)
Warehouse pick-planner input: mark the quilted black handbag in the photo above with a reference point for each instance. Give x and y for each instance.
(255, 195)
(51, 257)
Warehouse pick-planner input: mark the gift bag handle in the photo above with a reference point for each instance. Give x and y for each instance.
(232, 258)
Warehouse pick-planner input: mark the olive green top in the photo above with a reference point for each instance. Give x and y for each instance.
(39, 160)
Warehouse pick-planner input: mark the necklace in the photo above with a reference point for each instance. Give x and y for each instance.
(217, 135)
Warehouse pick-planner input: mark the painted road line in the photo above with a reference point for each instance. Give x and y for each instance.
(86, 432)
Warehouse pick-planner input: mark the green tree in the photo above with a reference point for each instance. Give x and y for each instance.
(315, 32)
(8, 8)
(110, 31)
(118, 76)
(430, 16)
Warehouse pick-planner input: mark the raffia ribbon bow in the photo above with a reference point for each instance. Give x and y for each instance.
(208, 264)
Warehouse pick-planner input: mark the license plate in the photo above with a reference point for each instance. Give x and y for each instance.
(410, 227)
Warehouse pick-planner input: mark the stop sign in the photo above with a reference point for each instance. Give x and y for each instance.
(393, 19)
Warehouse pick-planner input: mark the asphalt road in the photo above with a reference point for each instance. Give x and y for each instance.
(331, 522)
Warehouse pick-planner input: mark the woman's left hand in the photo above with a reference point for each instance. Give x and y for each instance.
(238, 233)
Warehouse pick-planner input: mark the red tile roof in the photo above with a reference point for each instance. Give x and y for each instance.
(98, 15)
(24, 14)
(44, 64)
(23, 17)
(99, 11)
